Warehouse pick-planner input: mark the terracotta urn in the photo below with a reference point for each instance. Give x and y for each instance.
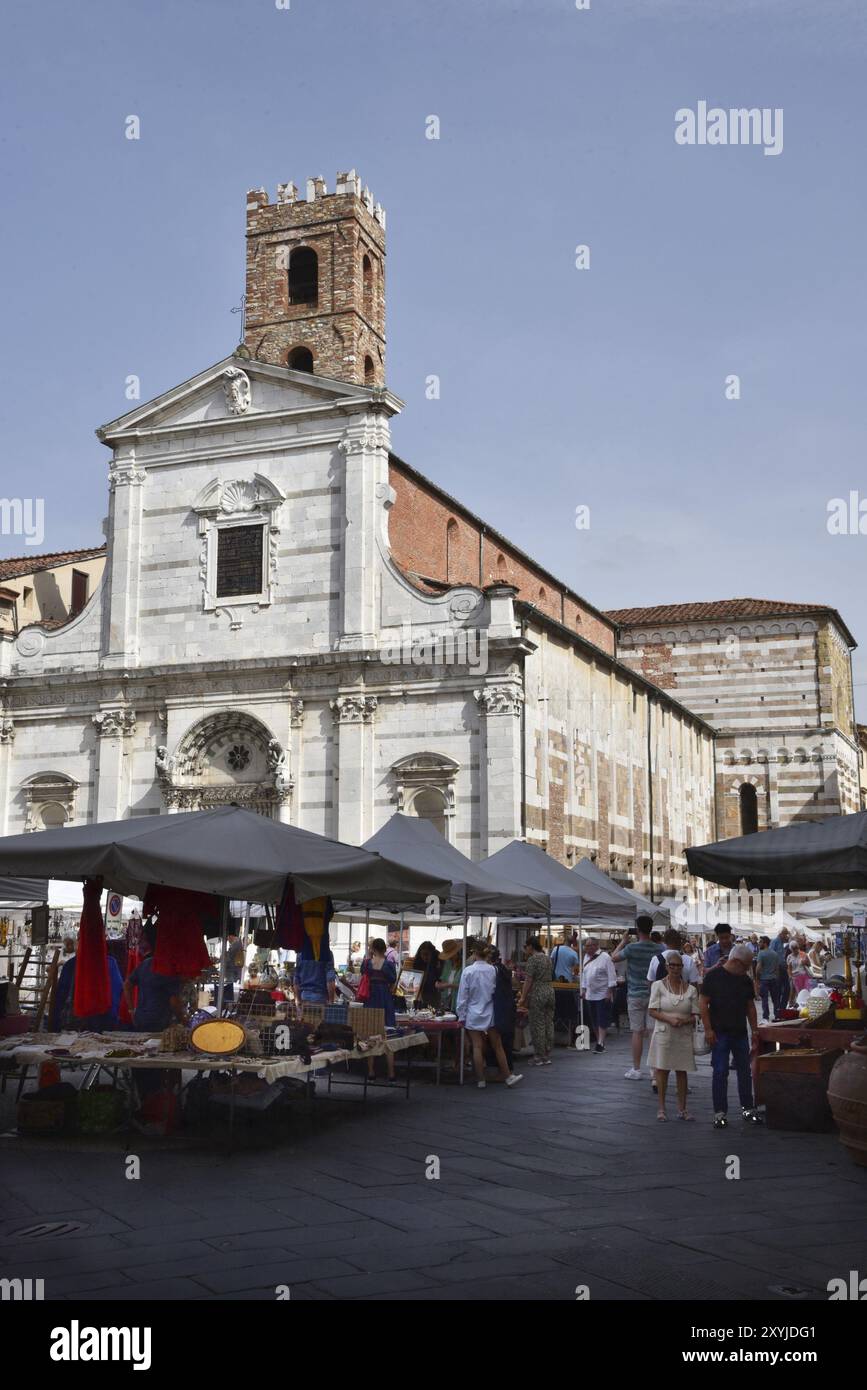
(847, 1096)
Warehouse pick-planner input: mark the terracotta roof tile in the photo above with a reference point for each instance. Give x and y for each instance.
(31, 564)
(719, 608)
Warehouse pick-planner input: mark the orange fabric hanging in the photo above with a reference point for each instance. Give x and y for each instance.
(92, 994)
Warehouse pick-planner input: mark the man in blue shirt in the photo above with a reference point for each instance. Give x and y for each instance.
(719, 951)
(313, 981)
(564, 960)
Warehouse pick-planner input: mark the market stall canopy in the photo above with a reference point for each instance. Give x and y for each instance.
(813, 854)
(840, 908)
(648, 908)
(595, 878)
(417, 844)
(227, 851)
(572, 901)
(23, 892)
(682, 914)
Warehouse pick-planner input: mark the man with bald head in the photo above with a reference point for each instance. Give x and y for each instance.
(728, 1005)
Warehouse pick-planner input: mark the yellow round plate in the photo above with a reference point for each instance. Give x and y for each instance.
(220, 1035)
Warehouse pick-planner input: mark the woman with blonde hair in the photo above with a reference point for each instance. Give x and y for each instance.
(673, 1006)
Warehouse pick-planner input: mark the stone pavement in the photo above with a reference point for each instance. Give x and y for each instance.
(564, 1180)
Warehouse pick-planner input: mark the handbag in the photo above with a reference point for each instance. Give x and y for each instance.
(699, 1042)
(363, 991)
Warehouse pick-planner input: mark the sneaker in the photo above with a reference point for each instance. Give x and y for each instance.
(600, 1047)
(514, 1078)
(481, 1085)
(752, 1117)
(720, 1121)
(632, 1074)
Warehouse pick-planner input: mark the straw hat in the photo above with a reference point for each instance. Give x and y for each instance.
(450, 949)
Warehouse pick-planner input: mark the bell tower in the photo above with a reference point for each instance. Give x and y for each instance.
(316, 280)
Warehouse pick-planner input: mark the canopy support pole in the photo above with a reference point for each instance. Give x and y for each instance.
(463, 968)
(224, 932)
(580, 965)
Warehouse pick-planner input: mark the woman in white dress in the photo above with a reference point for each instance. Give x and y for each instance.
(674, 1005)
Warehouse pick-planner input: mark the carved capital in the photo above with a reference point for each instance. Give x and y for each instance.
(7, 730)
(115, 723)
(296, 712)
(354, 709)
(500, 699)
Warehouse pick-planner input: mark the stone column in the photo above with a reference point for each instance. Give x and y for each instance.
(121, 637)
(354, 715)
(7, 741)
(296, 724)
(365, 448)
(114, 728)
(499, 764)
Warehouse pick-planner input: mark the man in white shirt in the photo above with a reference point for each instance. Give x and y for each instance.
(673, 944)
(598, 983)
(475, 1009)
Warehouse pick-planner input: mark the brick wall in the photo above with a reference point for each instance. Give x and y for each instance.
(433, 537)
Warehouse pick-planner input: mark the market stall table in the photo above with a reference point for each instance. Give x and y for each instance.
(796, 1032)
(92, 1053)
(436, 1027)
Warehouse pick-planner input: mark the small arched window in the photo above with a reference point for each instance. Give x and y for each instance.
(300, 359)
(367, 285)
(749, 809)
(543, 597)
(368, 371)
(303, 276)
(451, 549)
(501, 566)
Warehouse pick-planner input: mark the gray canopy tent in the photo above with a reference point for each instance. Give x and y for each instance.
(574, 896)
(23, 892)
(415, 843)
(228, 852)
(595, 878)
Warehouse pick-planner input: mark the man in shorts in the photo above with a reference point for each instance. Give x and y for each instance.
(637, 954)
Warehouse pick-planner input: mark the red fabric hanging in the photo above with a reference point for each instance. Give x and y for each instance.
(123, 1014)
(183, 919)
(92, 993)
(289, 935)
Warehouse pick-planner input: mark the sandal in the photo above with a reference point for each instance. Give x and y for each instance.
(537, 1062)
(662, 1116)
(685, 1115)
(546, 1062)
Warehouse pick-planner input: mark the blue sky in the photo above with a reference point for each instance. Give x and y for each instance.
(560, 387)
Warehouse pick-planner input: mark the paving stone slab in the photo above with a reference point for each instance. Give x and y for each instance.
(291, 1271)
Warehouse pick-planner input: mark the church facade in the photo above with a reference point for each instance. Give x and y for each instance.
(278, 626)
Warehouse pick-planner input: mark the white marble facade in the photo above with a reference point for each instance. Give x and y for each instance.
(332, 691)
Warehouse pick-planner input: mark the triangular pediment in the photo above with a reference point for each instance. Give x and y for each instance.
(238, 390)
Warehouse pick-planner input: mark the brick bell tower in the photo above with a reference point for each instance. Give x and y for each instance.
(316, 280)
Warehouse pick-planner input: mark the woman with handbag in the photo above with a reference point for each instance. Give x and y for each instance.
(674, 1006)
(376, 991)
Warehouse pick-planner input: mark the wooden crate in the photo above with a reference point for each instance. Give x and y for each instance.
(793, 1087)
